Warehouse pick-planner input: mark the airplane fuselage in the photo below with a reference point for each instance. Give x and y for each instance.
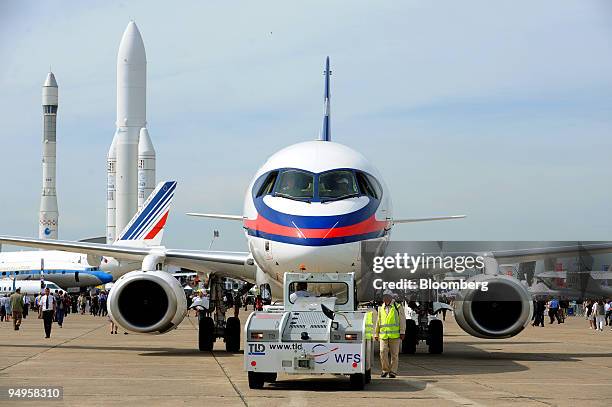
(309, 208)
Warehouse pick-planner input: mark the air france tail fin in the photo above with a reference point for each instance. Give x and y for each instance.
(147, 227)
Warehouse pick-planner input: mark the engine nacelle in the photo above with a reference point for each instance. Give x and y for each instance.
(502, 311)
(147, 302)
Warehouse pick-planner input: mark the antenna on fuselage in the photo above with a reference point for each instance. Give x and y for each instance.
(326, 131)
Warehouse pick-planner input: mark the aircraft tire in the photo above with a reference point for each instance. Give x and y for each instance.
(206, 334)
(232, 334)
(409, 344)
(436, 337)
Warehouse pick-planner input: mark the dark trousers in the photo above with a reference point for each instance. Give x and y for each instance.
(25, 310)
(539, 318)
(554, 313)
(48, 321)
(59, 316)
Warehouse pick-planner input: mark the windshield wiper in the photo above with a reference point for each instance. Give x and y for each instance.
(281, 195)
(353, 195)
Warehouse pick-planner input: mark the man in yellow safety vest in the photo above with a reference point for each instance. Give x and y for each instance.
(390, 329)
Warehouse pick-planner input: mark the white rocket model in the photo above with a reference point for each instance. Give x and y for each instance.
(146, 167)
(124, 188)
(48, 216)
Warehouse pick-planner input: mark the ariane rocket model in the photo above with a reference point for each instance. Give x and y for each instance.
(131, 158)
(48, 215)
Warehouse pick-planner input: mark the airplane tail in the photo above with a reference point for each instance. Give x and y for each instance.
(326, 130)
(147, 227)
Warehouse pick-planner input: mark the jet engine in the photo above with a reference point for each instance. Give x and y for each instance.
(502, 311)
(147, 302)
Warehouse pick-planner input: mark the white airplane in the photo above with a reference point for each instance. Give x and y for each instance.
(307, 209)
(83, 270)
(8, 286)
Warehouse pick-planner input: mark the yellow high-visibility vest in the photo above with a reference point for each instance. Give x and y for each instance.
(389, 323)
(369, 325)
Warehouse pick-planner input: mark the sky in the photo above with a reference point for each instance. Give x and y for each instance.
(498, 110)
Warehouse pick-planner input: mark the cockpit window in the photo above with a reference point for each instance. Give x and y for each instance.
(295, 184)
(268, 184)
(335, 185)
(368, 185)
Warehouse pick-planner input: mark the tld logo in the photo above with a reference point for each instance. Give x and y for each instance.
(347, 357)
(257, 349)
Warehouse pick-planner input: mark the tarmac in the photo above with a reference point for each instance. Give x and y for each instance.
(564, 365)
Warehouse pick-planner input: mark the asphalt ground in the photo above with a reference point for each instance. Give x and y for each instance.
(566, 364)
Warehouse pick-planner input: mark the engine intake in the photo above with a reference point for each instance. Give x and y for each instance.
(502, 311)
(147, 302)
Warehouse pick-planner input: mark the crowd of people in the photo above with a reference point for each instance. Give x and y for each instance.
(597, 312)
(51, 307)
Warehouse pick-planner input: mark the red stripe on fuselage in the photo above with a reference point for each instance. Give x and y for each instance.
(367, 226)
(158, 227)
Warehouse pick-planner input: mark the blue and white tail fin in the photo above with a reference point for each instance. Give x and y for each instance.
(326, 130)
(147, 227)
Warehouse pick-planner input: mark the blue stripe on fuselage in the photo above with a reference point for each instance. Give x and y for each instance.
(316, 222)
(316, 241)
(103, 276)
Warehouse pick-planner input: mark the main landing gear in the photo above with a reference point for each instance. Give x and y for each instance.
(211, 328)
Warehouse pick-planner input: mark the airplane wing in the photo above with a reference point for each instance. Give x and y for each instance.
(239, 265)
(216, 216)
(434, 218)
(562, 250)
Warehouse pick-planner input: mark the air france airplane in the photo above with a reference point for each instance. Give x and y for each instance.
(81, 270)
(306, 209)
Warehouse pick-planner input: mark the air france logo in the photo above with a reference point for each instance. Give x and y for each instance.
(257, 349)
(321, 353)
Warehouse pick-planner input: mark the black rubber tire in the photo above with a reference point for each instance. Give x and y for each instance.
(368, 376)
(436, 337)
(358, 381)
(409, 344)
(206, 334)
(232, 334)
(256, 380)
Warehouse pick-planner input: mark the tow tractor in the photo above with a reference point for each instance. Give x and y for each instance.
(317, 331)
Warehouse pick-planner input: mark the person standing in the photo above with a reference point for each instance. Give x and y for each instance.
(9, 309)
(82, 303)
(3, 308)
(553, 310)
(17, 307)
(103, 310)
(26, 306)
(599, 314)
(538, 312)
(46, 310)
(59, 308)
(390, 330)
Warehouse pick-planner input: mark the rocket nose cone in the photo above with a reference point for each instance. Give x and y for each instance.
(145, 146)
(50, 81)
(131, 49)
